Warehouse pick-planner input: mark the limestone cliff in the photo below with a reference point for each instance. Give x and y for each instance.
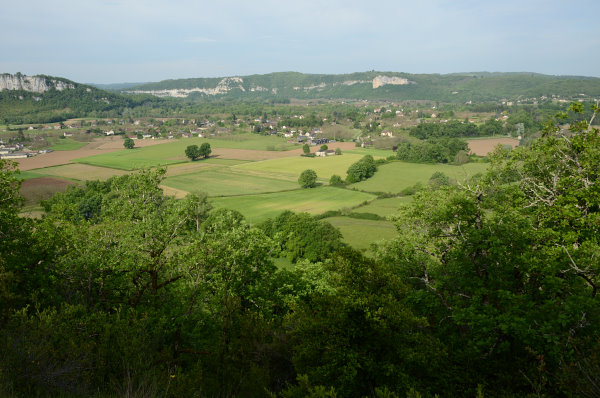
(36, 84)
(383, 80)
(223, 87)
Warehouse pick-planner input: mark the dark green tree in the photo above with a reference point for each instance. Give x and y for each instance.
(361, 170)
(204, 150)
(193, 152)
(308, 178)
(306, 149)
(128, 143)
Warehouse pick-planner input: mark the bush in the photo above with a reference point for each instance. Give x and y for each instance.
(366, 216)
(336, 180)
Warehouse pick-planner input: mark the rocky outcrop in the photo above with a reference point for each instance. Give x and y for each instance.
(223, 87)
(383, 80)
(36, 84)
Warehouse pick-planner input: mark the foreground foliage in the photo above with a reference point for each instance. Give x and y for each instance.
(490, 288)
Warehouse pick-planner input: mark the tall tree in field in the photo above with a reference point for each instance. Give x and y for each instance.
(307, 179)
(128, 143)
(204, 150)
(192, 152)
(306, 149)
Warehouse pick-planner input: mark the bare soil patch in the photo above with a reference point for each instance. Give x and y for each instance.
(485, 146)
(78, 171)
(43, 188)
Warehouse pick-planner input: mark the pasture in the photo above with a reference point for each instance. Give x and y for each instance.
(291, 167)
(384, 207)
(68, 144)
(224, 182)
(174, 151)
(376, 153)
(257, 208)
(395, 176)
(360, 234)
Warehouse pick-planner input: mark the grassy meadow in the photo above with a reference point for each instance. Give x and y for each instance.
(396, 176)
(257, 208)
(225, 182)
(68, 144)
(290, 167)
(174, 152)
(360, 234)
(384, 207)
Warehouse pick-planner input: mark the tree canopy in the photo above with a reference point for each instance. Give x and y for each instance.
(307, 179)
(361, 170)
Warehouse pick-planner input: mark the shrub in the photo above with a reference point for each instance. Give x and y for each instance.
(336, 180)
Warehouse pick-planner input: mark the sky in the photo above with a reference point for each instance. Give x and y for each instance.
(115, 41)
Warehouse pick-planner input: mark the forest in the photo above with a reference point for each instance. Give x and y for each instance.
(489, 289)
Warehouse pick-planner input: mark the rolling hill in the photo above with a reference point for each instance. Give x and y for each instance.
(459, 87)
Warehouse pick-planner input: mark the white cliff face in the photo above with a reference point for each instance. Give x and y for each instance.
(31, 83)
(383, 80)
(224, 86)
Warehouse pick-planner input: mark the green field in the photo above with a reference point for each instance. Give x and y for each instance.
(360, 234)
(222, 182)
(394, 177)
(257, 208)
(376, 153)
(291, 167)
(384, 207)
(174, 152)
(28, 175)
(67, 144)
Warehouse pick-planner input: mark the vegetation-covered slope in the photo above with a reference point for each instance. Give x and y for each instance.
(450, 88)
(59, 103)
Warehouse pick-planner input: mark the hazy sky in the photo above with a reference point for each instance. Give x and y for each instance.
(110, 41)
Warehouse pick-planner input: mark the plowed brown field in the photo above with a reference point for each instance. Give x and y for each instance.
(483, 147)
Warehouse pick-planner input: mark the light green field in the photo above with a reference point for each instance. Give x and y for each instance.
(361, 233)
(257, 208)
(174, 152)
(291, 167)
(394, 177)
(28, 175)
(67, 144)
(384, 207)
(222, 182)
(376, 153)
